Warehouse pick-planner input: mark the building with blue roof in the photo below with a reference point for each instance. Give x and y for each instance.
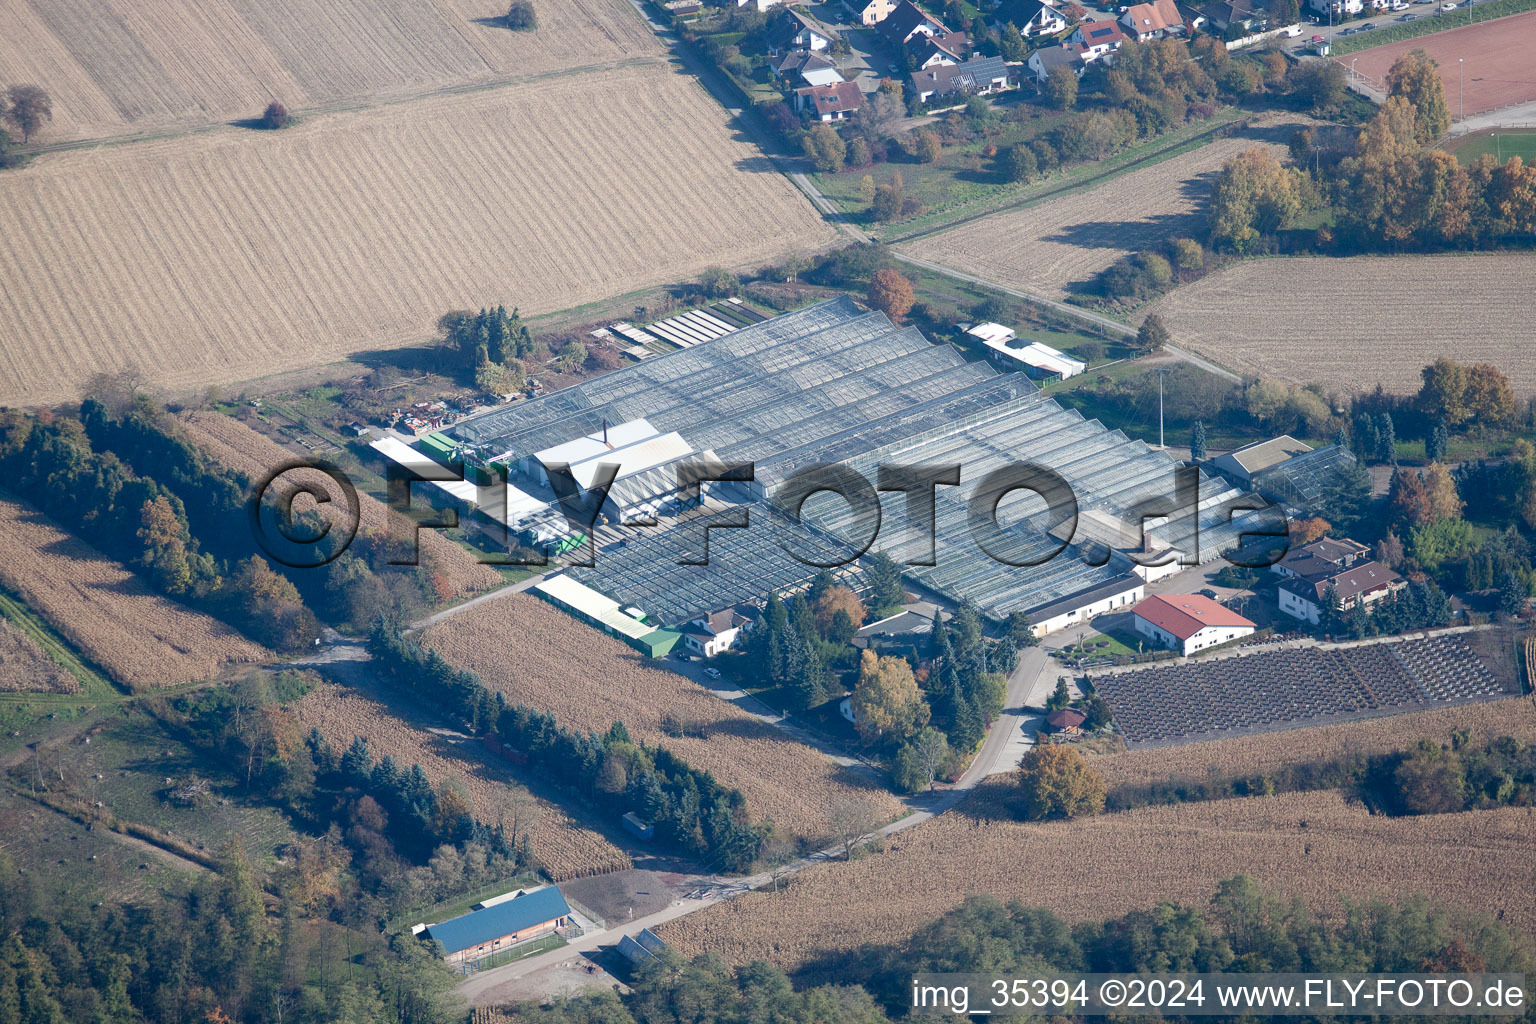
(495, 928)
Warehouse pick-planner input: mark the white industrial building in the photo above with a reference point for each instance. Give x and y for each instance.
(1011, 352)
(645, 457)
(1189, 622)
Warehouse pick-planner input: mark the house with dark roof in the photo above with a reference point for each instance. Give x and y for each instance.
(1322, 557)
(500, 926)
(1033, 18)
(949, 48)
(978, 76)
(1052, 60)
(807, 67)
(794, 29)
(1153, 21)
(1246, 15)
(720, 630)
(1188, 622)
(1363, 584)
(830, 102)
(908, 20)
(1065, 721)
(1094, 39)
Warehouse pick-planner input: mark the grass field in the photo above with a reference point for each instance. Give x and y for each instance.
(1308, 319)
(1501, 144)
(232, 255)
(565, 848)
(116, 66)
(1312, 845)
(541, 657)
(1059, 244)
(142, 639)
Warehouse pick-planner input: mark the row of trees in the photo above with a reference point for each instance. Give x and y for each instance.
(1389, 191)
(691, 811)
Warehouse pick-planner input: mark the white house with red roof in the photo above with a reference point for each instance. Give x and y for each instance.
(1153, 21)
(1188, 622)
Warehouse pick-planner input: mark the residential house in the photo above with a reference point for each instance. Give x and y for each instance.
(1324, 556)
(931, 51)
(978, 76)
(1188, 622)
(1243, 16)
(809, 68)
(719, 631)
(797, 30)
(876, 11)
(1095, 39)
(1365, 583)
(1033, 18)
(1054, 59)
(499, 926)
(909, 20)
(830, 102)
(1153, 21)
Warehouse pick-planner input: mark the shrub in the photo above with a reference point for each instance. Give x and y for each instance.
(276, 116)
(521, 17)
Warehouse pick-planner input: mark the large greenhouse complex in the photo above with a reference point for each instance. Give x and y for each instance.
(835, 385)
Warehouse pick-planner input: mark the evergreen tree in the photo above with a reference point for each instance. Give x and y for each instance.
(1386, 440)
(883, 576)
(1197, 442)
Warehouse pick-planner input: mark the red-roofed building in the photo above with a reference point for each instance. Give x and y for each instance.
(1188, 622)
(1153, 21)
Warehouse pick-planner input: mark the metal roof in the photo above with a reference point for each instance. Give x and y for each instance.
(527, 911)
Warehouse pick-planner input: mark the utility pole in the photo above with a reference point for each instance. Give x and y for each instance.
(1461, 82)
(1160, 372)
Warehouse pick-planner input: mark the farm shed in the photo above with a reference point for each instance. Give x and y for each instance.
(1244, 463)
(603, 612)
(1188, 622)
(1078, 608)
(494, 928)
(638, 827)
(1034, 358)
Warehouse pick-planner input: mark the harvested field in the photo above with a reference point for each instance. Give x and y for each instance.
(118, 66)
(1254, 755)
(1307, 319)
(1058, 245)
(541, 657)
(565, 848)
(1498, 56)
(142, 639)
(240, 448)
(1312, 845)
(25, 668)
(232, 255)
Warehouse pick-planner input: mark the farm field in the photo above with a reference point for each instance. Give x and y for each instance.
(1312, 845)
(1269, 752)
(25, 668)
(122, 66)
(539, 656)
(231, 255)
(237, 446)
(1497, 55)
(142, 639)
(1308, 319)
(1060, 244)
(565, 848)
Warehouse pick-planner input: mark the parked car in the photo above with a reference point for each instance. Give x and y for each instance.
(1349, 32)
(1367, 26)
(713, 673)
(1399, 5)
(1318, 39)
(1208, 592)
(1409, 17)
(684, 656)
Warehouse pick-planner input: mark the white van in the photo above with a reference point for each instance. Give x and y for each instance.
(1293, 31)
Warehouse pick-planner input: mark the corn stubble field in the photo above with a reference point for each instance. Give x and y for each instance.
(539, 656)
(231, 255)
(1054, 245)
(1309, 319)
(26, 668)
(1312, 845)
(566, 849)
(237, 446)
(120, 66)
(142, 639)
